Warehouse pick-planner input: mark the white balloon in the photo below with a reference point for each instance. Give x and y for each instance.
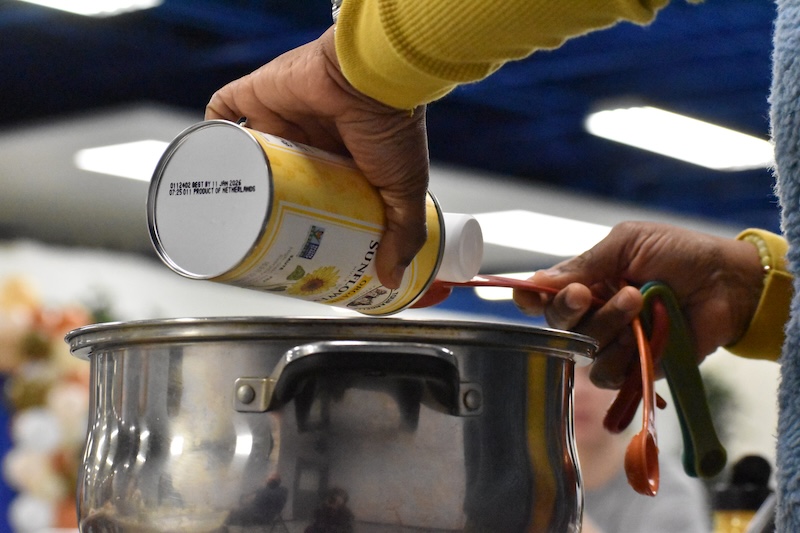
(33, 473)
(69, 402)
(37, 429)
(28, 514)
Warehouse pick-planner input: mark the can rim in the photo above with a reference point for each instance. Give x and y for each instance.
(155, 181)
(435, 272)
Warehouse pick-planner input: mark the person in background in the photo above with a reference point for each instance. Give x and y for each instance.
(610, 505)
(361, 90)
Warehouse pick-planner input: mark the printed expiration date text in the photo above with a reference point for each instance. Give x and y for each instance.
(187, 188)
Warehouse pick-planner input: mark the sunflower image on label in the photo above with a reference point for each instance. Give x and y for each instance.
(324, 258)
(279, 217)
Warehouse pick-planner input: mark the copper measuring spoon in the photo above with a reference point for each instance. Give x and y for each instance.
(641, 456)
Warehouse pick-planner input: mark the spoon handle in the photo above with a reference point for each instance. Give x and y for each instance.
(488, 280)
(703, 453)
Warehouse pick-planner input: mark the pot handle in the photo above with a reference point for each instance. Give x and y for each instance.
(436, 366)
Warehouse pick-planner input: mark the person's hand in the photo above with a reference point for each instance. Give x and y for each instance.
(303, 96)
(716, 280)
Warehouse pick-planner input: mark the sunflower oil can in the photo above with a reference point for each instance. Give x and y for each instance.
(233, 205)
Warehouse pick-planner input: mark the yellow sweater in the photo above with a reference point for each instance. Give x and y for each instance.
(405, 53)
(765, 335)
(410, 52)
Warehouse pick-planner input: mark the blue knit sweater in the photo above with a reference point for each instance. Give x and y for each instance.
(785, 117)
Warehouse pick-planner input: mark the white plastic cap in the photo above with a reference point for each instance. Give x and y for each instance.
(463, 248)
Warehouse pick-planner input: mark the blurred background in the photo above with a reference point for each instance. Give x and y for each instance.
(529, 150)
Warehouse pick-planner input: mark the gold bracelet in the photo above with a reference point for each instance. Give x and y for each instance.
(763, 249)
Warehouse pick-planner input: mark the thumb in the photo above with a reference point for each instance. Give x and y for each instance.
(404, 236)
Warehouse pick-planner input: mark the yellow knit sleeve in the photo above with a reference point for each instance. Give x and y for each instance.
(409, 52)
(765, 334)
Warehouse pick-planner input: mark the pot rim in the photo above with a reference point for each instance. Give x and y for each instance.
(86, 340)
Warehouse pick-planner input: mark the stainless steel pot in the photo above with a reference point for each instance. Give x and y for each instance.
(274, 424)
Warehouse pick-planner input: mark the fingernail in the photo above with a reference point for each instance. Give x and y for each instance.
(625, 302)
(573, 301)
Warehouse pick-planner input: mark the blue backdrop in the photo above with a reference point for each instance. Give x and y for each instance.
(6, 493)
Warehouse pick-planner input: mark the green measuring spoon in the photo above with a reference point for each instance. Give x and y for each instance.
(703, 453)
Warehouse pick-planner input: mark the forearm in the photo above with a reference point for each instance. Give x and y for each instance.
(409, 52)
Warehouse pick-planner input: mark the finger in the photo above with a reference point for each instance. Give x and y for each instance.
(614, 318)
(239, 99)
(405, 234)
(399, 169)
(614, 362)
(569, 306)
(223, 103)
(600, 266)
(530, 302)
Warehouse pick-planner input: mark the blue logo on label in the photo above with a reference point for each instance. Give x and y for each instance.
(312, 242)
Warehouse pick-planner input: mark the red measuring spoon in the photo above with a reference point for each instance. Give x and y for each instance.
(622, 410)
(440, 290)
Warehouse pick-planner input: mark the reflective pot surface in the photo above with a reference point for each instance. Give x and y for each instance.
(329, 425)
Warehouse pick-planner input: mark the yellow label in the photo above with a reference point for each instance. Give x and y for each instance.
(324, 230)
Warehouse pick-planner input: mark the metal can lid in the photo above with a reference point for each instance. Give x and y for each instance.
(209, 199)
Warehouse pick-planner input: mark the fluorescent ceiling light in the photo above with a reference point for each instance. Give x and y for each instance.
(136, 160)
(536, 232)
(681, 137)
(97, 8)
(500, 293)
